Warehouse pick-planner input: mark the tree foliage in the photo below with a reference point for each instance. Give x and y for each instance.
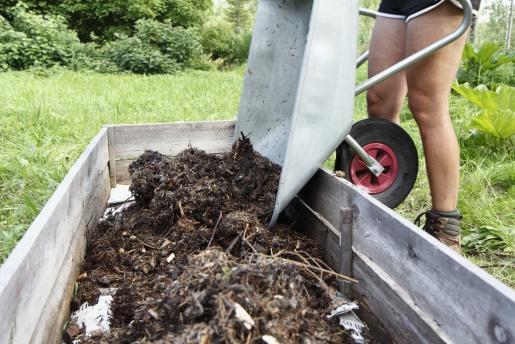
(494, 30)
(239, 14)
(105, 19)
(154, 48)
(32, 40)
(221, 42)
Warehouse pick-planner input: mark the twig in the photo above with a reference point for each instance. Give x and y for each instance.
(250, 245)
(145, 244)
(321, 282)
(498, 265)
(233, 243)
(214, 230)
(181, 210)
(307, 266)
(245, 240)
(320, 261)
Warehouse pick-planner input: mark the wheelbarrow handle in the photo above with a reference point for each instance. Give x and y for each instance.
(410, 60)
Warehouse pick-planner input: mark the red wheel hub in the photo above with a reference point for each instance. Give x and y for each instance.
(361, 176)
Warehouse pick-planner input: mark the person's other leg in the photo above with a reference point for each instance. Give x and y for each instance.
(387, 48)
(429, 85)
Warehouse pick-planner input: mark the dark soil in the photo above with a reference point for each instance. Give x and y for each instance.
(194, 247)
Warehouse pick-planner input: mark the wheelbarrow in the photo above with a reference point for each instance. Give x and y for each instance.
(298, 99)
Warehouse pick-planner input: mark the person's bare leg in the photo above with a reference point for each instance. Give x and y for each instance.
(387, 48)
(429, 84)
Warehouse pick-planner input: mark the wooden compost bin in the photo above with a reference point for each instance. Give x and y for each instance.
(412, 289)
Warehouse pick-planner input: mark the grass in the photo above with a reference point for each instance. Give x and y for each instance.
(45, 123)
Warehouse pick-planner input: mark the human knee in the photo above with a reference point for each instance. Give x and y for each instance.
(428, 109)
(383, 105)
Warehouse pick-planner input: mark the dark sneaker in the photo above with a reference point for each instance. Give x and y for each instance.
(445, 226)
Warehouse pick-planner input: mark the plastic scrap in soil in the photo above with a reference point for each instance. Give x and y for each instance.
(349, 320)
(95, 319)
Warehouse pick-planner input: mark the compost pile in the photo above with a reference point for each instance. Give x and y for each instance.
(191, 260)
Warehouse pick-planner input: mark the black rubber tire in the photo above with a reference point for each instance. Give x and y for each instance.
(375, 130)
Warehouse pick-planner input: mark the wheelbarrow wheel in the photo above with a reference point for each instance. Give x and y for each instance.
(393, 148)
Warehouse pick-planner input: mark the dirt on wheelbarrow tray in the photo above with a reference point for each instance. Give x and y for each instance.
(191, 260)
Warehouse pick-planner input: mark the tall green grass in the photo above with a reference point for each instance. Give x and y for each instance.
(45, 123)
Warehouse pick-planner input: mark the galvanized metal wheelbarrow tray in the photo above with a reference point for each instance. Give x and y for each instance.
(298, 96)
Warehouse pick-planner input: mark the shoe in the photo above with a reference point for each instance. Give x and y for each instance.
(445, 226)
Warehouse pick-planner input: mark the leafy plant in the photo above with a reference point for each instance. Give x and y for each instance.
(497, 117)
(223, 44)
(479, 64)
(216, 38)
(132, 55)
(177, 43)
(239, 14)
(240, 46)
(488, 238)
(33, 40)
(106, 19)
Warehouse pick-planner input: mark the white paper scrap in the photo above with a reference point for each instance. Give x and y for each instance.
(342, 309)
(120, 193)
(243, 316)
(352, 323)
(349, 320)
(269, 339)
(170, 258)
(94, 318)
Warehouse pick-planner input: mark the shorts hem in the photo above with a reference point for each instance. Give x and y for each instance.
(391, 16)
(427, 9)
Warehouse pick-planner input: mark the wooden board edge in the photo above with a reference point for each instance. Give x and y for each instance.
(431, 273)
(315, 228)
(23, 247)
(385, 295)
(130, 141)
(50, 324)
(118, 163)
(112, 156)
(392, 306)
(177, 123)
(12, 287)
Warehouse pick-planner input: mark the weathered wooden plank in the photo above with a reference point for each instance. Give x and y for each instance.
(382, 302)
(346, 255)
(315, 228)
(37, 278)
(112, 157)
(467, 304)
(391, 305)
(122, 176)
(130, 141)
(127, 142)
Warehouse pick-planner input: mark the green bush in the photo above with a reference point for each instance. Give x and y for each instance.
(155, 48)
(132, 55)
(221, 43)
(33, 40)
(240, 47)
(179, 44)
(217, 36)
(106, 19)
